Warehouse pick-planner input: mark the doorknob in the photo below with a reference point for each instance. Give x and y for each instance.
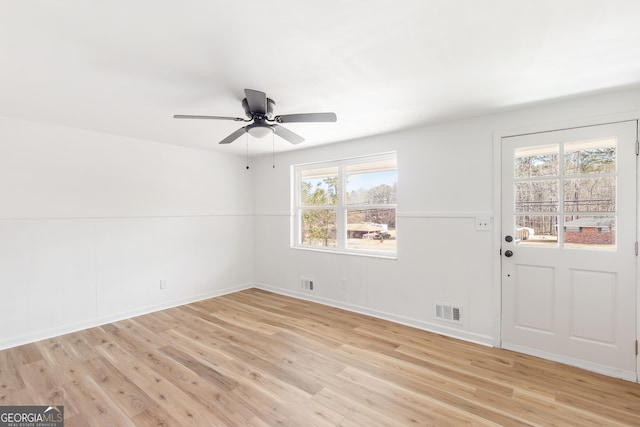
(508, 254)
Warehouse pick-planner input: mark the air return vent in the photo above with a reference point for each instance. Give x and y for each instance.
(450, 313)
(306, 284)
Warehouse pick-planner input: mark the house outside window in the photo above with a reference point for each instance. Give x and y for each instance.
(347, 205)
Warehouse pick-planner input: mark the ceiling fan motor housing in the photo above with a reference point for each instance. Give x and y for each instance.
(269, 114)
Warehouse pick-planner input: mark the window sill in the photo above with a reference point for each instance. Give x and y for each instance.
(391, 256)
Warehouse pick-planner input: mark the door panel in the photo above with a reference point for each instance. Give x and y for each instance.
(535, 296)
(568, 270)
(593, 289)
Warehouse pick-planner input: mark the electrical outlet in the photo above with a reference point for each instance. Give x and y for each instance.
(483, 223)
(163, 284)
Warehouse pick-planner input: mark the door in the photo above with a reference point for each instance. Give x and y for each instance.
(569, 246)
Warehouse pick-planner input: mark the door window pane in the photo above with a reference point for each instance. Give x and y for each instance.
(536, 161)
(537, 196)
(590, 157)
(590, 194)
(536, 230)
(595, 232)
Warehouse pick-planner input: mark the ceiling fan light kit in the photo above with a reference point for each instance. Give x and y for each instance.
(259, 131)
(259, 111)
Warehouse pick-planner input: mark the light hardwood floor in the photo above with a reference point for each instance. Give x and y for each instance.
(254, 358)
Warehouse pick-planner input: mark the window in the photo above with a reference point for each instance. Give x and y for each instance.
(347, 205)
(573, 182)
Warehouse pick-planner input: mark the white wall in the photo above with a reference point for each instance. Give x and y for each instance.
(446, 179)
(90, 224)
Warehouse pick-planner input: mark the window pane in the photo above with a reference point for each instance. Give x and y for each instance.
(537, 196)
(372, 188)
(319, 187)
(590, 157)
(590, 194)
(593, 232)
(536, 161)
(371, 229)
(536, 230)
(318, 227)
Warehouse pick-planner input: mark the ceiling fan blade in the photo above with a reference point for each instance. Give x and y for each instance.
(235, 135)
(257, 101)
(286, 134)
(306, 117)
(188, 116)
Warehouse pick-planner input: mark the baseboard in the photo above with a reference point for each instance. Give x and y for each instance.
(587, 366)
(69, 328)
(407, 321)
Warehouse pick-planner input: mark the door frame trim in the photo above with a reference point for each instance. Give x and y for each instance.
(498, 137)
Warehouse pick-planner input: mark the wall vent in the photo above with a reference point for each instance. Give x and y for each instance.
(306, 284)
(450, 313)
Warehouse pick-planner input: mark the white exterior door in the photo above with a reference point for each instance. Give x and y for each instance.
(569, 246)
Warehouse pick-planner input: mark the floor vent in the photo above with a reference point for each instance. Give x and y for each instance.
(306, 284)
(449, 313)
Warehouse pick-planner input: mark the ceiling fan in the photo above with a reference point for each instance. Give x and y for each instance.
(259, 110)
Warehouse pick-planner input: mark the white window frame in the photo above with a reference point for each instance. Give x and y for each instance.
(341, 207)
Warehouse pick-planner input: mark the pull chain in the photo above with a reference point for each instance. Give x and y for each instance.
(247, 133)
(273, 156)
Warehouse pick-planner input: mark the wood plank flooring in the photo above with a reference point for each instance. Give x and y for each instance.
(254, 358)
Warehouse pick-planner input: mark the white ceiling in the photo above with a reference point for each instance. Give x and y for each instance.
(126, 66)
